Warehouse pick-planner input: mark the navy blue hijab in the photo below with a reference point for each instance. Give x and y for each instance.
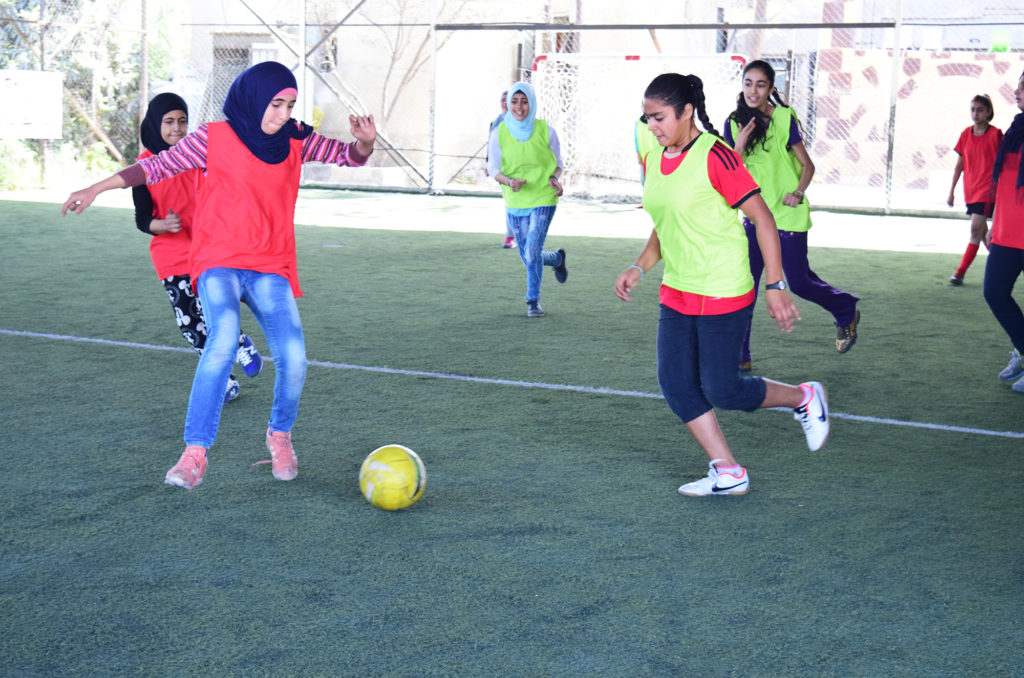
(247, 101)
(149, 130)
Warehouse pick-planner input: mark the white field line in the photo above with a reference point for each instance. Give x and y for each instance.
(520, 384)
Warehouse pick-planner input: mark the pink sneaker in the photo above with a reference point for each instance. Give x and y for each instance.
(509, 243)
(189, 470)
(282, 456)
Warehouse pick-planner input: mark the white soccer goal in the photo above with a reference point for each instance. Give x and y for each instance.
(594, 100)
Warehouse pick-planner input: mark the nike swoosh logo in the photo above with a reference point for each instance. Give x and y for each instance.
(716, 488)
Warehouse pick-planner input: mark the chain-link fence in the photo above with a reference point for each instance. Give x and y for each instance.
(882, 89)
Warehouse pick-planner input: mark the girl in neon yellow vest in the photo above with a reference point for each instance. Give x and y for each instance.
(523, 156)
(693, 188)
(765, 131)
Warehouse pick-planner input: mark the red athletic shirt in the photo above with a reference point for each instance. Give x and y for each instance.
(979, 155)
(730, 178)
(169, 251)
(1008, 219)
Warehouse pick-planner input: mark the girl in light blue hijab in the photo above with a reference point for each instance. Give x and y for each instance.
(525, 158)
(522, 129)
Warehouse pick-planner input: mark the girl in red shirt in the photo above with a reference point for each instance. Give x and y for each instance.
(976, 153)
(1006, 242)
(165, 211)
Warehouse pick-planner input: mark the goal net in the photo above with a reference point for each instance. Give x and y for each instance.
(594, 100)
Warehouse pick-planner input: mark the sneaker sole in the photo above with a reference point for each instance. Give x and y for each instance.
(855, 323)
(177, 481)
(1012, 377)
(716, 494)
(824, 406)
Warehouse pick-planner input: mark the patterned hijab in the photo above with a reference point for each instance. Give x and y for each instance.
(246, 103)
(149, 130)
(521, 129)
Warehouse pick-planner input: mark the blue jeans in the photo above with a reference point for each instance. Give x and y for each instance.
(269, 297)
(530, 231)
(1002, 270)
(697, 368)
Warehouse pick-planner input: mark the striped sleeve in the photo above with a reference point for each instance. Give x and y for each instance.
(729, 176)
(318, 148)
(187, 154)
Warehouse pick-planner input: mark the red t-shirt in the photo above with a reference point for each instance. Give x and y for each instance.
(730, 178)
(1008, 219)
(979, 155)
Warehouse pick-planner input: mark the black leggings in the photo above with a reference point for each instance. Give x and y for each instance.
(188, 311)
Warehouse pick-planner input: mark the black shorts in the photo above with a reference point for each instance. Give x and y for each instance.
(983, 208)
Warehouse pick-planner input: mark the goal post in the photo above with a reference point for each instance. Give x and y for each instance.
(594, 101)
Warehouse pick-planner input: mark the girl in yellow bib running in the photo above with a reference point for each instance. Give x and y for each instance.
(765, 132)
(524, 157)
(694, 185)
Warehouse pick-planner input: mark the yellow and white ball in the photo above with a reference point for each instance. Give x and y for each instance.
(392, 477)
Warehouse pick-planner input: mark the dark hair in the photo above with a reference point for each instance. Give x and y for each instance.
(985, 101)
(744, 113)
(678, 90)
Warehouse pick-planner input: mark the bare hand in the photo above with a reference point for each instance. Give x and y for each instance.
(625, 283)
(78, 201)
(791, 200)
(782, 309)
(363, 128)
(516, 184)
(555, 184)
(743, 135)
(172, 224)
(949, 200)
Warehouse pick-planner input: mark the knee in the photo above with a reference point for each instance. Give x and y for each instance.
(292, 361)
(729, 395)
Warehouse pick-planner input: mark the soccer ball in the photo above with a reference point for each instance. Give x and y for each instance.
(392, 477)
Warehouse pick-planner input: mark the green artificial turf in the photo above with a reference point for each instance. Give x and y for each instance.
(550, 540)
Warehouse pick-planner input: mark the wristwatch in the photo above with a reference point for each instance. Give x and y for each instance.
(781, 285)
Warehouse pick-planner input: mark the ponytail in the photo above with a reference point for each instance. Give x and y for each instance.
(678, 90)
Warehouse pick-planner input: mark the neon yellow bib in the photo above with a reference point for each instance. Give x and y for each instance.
(776, 170)
(645, 140)
(531, 160)
(702, 240)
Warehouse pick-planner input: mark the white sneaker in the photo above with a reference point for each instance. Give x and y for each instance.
(1018, 385)
(1015, 368)
(717, 483)
(814, 416)
(231, 390)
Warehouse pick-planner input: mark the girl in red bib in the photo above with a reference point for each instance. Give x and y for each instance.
(1005, 263)
(166, 211)
(243, 245)
(976, 154)
(693, 187)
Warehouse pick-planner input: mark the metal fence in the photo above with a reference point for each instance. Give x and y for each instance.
(882, 89)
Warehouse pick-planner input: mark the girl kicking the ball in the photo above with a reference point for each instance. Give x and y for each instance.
(693, 188)
(243, 245)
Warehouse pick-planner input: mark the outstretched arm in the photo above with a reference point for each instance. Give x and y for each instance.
(79, 200)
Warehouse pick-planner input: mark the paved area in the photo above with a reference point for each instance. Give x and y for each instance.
(403, 211)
